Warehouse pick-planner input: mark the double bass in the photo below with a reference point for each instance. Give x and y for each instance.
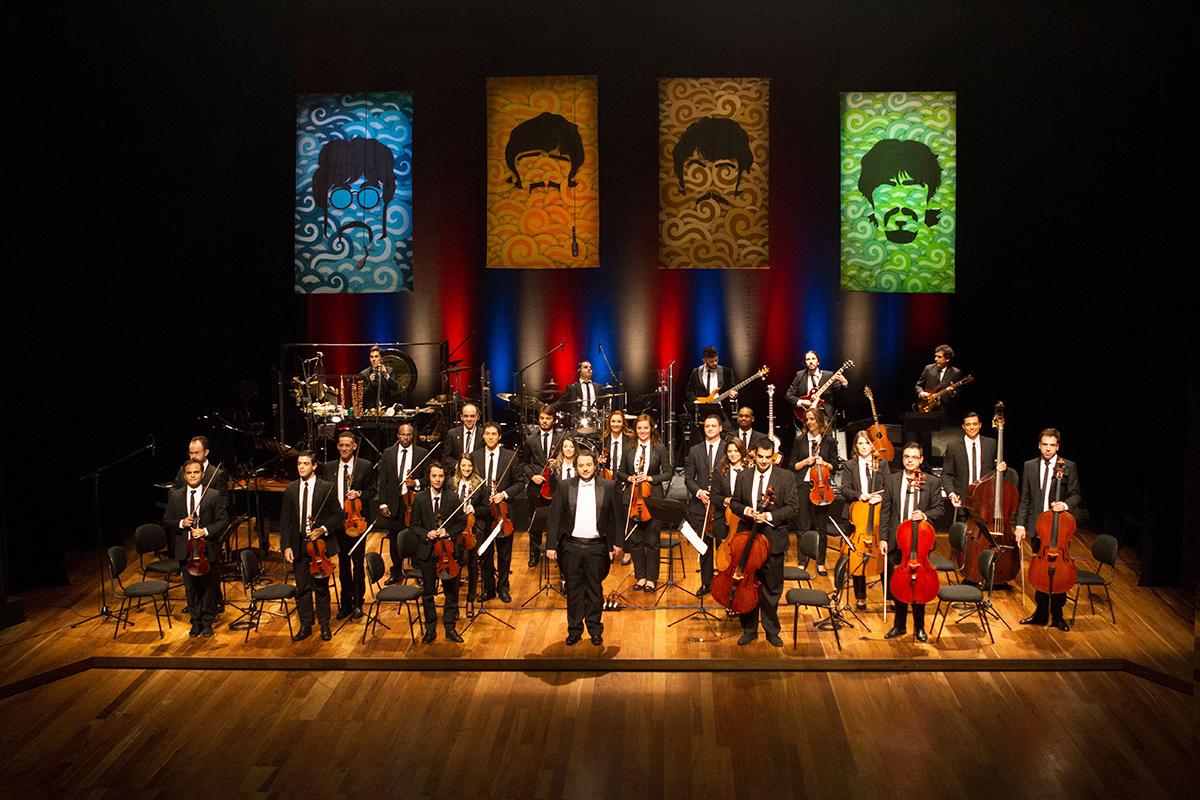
(992, 505)
(736, 586)
(1052, 570)
(915, 580)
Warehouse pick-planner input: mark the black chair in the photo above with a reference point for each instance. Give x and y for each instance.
(958, 543)
(819, 599)
(134, 591)
(806, 543)
(978, 600)
(400, 593)
(1104, 550)
(259, 595)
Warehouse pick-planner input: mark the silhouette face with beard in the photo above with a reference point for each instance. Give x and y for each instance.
(544, 154)
(900, 178)
(710, 159)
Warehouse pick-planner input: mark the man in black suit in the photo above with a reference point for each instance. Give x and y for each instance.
(539, 447)
(464, 438)
(745, 429)
(772, 521)
(811, 378)
(379, 384)
(432, 521)
(197, 450)
(706, 379)
(502, 482)
(401, 474)
(968, 460)
(698, 479)
(194, 512)
(355, 479)
(580, 396)
(1040, 492)
(902, 502)
(309, 512)
(584, 525)
(937, 375)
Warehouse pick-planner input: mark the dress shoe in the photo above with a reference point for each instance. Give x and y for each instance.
(195, 631)
(922, 636)
(747, 637)
(703, 590)
(302, 634)
(344, 612)
(326, 634)
(1033, 620)
(429, 637)
(573, 639)
(821, 570)
(391, 579)
(1061, 624)
(861, 605)
(534, 559)
(597, 639)
(358, 613)
(649, 588)
(454, 636)
(487, 596)
(774, 640)
(505, 597)
(894, 633)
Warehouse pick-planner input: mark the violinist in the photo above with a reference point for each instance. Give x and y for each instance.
(466, 485)
(645, 464)
(309, 513)
(432, 520)
(197, 450)
(1039, 487)
(968, 459)
(196, 513)
(773, 523)
(501, 483)
(398, 478)
(537, 451)
(701, 483)
(379, 382)
(899, 505)
(355, 480)
(814, 448)
(863, 479)
(584, 530)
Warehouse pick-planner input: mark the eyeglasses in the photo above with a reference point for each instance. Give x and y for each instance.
(344, 196)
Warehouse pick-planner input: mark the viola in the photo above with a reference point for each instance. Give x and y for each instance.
(866, 558)
(356, 523)
(915, 579)
(1052, 570)
(992, 503)
(318, 561)
(821, 493)
(736, 586)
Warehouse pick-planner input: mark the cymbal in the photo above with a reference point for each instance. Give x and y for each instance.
(514, 399)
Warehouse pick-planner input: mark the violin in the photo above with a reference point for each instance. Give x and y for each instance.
(1052, 570)
(638, 510)
(501, 515)
(356, 523)
(736, 586)
(915, 579)
(992, 505)
(821, 493)
(318, 559)
(547, 490)
(866, 558)
(448, 567)
(197, 560)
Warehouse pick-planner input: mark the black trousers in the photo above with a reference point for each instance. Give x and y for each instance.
(497, 560)
(351, 573)
(901, 609)
(813, 518)
(201, 593)
(308, 585)
(706, 560)
(770, 589)
(584, 565)
(644, 542)
(1048, 606)
(534, 500)
(429, 582)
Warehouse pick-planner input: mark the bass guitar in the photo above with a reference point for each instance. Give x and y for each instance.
(718, 396)
(933, 400)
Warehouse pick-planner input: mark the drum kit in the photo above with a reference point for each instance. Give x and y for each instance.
(587, 425)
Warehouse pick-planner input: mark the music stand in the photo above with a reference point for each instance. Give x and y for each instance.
(841, 600)
(537, 524)
(670, 513)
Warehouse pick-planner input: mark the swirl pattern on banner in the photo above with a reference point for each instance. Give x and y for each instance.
(718, 217)
(345, 249)
(530, 214)
(874, 257)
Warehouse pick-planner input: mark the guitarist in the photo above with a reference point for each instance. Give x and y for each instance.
(707, 379)
(937, 375)
(809, 379)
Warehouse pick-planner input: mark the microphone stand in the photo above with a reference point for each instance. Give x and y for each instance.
(520, 376)
(104, 613)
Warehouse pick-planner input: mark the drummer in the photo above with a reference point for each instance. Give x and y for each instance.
(583, 396)
(540, 446)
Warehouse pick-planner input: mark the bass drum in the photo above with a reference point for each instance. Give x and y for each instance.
(588, 423)
(404, 370)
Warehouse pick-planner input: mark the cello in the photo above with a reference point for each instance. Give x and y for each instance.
(915, 580)
(992, 505)
(736, 586)
(865, 557)
(1052, 570)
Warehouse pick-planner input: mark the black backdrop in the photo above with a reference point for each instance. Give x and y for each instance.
(151, 122)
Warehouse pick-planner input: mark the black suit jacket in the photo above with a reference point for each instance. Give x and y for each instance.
(1031, 494)
(327, 512)
(929, 500)
(610, 517)
(219, 484)
(533, 458)
(510, 481)
(659, 468)
(695, 384)
(606, 447)
(570, 400)
(756, 438)
(384, 388)
(852, 488)
(387, 482)
(801, 450)
(452, 444)
(929, 382)
(783, 510)
(362, 478)
(799, 388)
(696, 472)
(956, 465)
(212, 517)
(423, 520)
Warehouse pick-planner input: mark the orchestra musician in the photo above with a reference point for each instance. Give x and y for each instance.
(583, 533)
(464, 438)
(395, 480)
(861, 480)
(702, 458)
(938, 374)
(1039, 487)
(612, 452)
(645, 461)
(194, 512)
(355, 479)
(581, 396)
(707, 378)
(809, 379)
(745, 432)
(899, 505)
(432, 520)
(197, 450)
(969, 459)
(379, 383)
(772, 523)
(814, 447)
(466, 485)
(539, 447)
(501, 484)
(309, 511)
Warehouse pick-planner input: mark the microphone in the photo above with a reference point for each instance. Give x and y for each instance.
(574, 244)
(153, 445)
